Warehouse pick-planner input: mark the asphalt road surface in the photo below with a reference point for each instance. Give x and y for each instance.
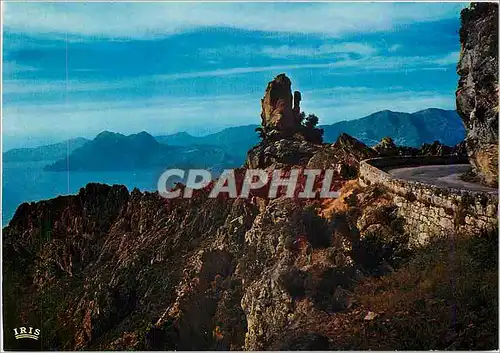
(440, 175)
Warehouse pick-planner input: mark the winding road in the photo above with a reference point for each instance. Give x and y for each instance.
(440, 175)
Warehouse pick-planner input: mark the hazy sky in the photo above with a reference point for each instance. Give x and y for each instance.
(79, 68)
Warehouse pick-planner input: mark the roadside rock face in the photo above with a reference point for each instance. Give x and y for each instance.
(477, 93)
(277, 111)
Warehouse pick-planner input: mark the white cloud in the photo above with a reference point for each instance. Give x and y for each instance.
(11, 68)
(450, 59)
(42, 86)
(373, 64)
(149, 20)
(393, 48)
(343, 66)
(285, 51)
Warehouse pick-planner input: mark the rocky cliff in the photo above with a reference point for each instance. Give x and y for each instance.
(109, 269)
(477, 93)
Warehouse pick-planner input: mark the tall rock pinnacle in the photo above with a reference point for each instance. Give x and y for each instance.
(277, 111)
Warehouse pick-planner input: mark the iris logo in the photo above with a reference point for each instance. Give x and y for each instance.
(23, 332)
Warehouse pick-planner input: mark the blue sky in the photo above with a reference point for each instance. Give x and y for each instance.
(76, 69)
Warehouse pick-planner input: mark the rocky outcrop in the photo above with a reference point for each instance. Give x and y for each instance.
(277, 111)
(438, 149)
(477, 93)
(136, 271)
(297, 97)
(352, 148)
(280, 119)
(107, 269)
(281, 153)
(285, 140)
(386, 147)
(343, 156)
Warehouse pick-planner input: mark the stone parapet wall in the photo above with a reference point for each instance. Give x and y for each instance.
(385, 163)
(431, 210)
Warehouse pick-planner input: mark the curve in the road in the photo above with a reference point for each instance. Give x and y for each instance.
(440, 175)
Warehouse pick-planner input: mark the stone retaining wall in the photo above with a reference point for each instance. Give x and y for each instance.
(431, 210)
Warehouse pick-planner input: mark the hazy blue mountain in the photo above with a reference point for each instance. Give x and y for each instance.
(113, 151)
(44, 153)
(407, 129)
(235, 140)
(180, 139)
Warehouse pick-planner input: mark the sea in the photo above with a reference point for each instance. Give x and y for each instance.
(27, 182)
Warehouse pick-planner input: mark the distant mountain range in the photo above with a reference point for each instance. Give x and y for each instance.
(113, 151)
(415, 129)
(424, 126)
(44, 153)
(235, 140)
